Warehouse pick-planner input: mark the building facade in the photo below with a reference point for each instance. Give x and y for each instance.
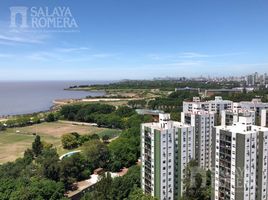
(264, 118)
(203, 122)
(256, 105)
(240, 157)
(216, 105)
(166, 149)
(229, 117)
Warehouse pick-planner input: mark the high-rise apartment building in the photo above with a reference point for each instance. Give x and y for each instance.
(256, 79)
(203, 122)
(166, 149)
(240, 161)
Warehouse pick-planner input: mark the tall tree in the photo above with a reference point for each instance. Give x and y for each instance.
(37, 146)
(74, 168)
(49, 164)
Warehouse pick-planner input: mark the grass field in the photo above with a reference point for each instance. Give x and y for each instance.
(131, 93)
(14, 141)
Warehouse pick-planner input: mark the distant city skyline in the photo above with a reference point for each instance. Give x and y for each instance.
(138, 39)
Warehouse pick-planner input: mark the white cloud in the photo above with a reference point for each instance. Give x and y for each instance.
(189, 55)
(11, 37)
(40, 56)
(17, 39)
(62, 55)
(68, 50)
(185, 63)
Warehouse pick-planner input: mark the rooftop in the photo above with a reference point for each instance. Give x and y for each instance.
(157, 125)
(244, 126)
(217, 99)
(148, 112)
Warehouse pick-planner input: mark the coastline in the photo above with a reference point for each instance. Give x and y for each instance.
(34, 97)
(4, 118)
(105, 96)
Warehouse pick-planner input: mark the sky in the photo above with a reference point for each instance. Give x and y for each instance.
(134, 39)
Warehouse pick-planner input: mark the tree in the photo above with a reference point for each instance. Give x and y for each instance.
(122, 186)
(123, 152)
(40, 189)
(74, 168)
(125, 111)
(137, 194)
(116, 188)
(71, 116)
(94, 137)
(102, 189)
(197, 190)
(8, 185)
(96, 153)
(70, 140)
(2, 127)
(137, 103)
(28, 155)
(105, 138)
(51, 117)
(37, 146)
(175, 116)
(49, 164)
(85, 112)
(47, 145)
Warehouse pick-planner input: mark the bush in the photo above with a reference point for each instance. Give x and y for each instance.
(70, 140)
(51, 117)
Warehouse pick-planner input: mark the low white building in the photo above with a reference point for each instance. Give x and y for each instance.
(256, 105)
(229, 117)
(216, 105)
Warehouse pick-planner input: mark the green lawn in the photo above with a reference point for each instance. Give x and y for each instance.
(14, 141)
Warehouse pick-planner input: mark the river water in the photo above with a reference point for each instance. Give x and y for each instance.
(28, 97)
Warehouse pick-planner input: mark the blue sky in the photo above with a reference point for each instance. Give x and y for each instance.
(137, 39)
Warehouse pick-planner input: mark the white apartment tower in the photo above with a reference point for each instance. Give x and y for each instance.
(203, 122)
(240, 159)
(166, 149)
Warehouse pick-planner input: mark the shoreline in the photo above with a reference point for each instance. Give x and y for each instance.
(52, 108)
(4, 118)
(55, 104)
